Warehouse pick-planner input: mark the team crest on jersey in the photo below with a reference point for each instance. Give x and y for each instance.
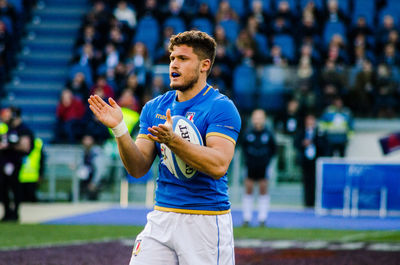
(137, 247)
(190, 116)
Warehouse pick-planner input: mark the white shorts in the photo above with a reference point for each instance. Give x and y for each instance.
(185, 239)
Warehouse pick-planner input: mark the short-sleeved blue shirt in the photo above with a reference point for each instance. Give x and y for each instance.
(213, 114)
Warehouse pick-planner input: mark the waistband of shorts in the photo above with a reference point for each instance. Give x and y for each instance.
(191, 211)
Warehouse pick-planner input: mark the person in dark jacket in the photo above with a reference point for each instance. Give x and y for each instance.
(259, 147)
(310, 144)
(15, 145)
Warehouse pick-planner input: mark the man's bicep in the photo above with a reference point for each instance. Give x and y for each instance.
(224, 146)
(148, 150)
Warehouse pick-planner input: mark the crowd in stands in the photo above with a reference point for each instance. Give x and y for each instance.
(334, 49)
(14, 14)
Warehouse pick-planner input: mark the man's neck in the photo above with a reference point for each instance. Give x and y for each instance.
(191, 92)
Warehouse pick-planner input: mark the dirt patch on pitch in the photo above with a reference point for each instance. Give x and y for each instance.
(119, 252)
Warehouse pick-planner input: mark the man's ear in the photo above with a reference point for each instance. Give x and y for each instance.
(205, 65)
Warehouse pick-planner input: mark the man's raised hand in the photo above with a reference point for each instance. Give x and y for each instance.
(109, 115)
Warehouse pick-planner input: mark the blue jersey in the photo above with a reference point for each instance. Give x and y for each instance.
(213, 114)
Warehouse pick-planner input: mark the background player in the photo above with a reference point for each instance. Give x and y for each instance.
(191, 222)
(259, 147)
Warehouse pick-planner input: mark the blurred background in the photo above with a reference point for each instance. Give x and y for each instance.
(335, 59)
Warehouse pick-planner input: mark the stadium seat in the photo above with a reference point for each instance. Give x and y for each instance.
(244, 86)
(239, 7)
(287, 44)
(148, 32)
(203, 24)
(332, 28)
(318, 3)
(176, 23)
(387, 11)
(262, 44)
(231, 28)
(362, 9)
(212, 5)
(273, 88)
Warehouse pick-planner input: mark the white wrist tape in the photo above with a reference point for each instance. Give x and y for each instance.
(120, 129)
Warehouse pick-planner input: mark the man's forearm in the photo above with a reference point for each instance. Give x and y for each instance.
(133, 159)
(211, 161)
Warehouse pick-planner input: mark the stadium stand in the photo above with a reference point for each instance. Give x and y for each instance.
(53, 51)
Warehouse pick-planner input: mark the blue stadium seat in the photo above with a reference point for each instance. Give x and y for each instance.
(267, 6)
(86, 70)
(262, 44)
(239, 7)
(292, 4)
(287, 44)
(244, 86)
(272, 94)
(344, 6)
(318, 3)
(148, 32)
(332, 28)
(18, 4)
(366, 9)
(231, 28)
(387, 11)
(176, 23)
(212, 5)
(9, 24)
(203, 24)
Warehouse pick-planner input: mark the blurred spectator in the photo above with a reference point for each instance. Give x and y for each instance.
(6, 59)
(92, 169)
(32, 172)
(308, 28)
(276, 57)
(258, 13)
(334, 14)
(139, 62)
(363, 91)
(70, 111)
(162, 53)
(383, 31)
(15, 144)
(102, 88)
(78, 86)
(333, 74)
(290, 121)
(225, 12)
(310, 142)
(125, 14)
(337, 123)
(390, 56)
(387, 96)
(158, 87)
(89, 36)
(129, 100)
(259, 147)
(150, 8)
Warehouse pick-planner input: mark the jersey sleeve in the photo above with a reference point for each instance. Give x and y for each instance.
(224, 120)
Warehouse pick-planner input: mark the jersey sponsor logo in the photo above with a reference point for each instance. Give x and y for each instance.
(190, 116)
(161, 116)
(136, 248)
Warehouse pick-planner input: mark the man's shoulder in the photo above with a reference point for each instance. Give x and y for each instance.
(167, 96)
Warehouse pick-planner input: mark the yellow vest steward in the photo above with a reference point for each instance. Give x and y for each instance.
(30, 168)
(3, 128)
(131, 118)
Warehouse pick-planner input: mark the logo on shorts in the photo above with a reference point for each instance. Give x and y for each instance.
(136, 248)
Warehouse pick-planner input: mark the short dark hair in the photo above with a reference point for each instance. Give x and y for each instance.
(16, 111)
(204, 46)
